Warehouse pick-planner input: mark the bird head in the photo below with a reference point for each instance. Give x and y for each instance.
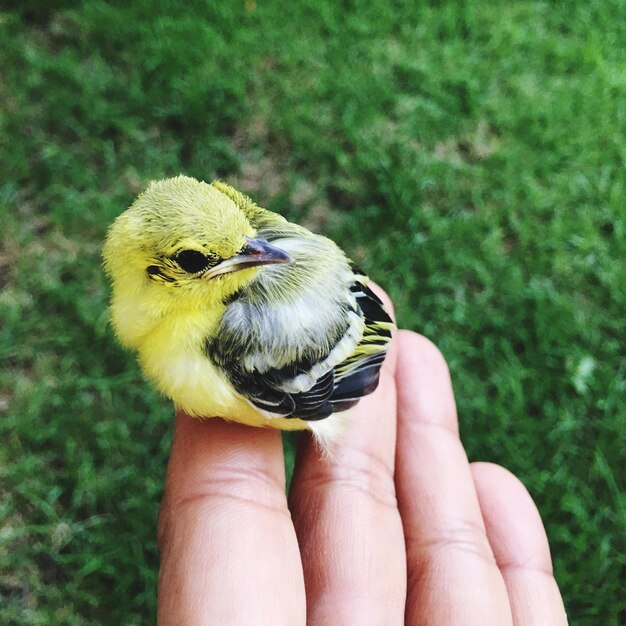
(182, 245)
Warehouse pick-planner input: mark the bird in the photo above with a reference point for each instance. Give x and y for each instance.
(235, 312)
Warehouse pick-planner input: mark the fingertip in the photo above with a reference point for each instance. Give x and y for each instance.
(423, 380)
(514, 526)
(419, 350)
(221, 433)
(204, 447)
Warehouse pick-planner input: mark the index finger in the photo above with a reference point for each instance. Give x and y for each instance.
(225, 533)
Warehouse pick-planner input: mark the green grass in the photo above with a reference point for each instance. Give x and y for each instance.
(470, 155)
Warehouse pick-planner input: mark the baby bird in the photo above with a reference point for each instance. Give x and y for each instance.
(235, 312)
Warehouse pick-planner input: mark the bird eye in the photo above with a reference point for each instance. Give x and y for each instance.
(192, 261)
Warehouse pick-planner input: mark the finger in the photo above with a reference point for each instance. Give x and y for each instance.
(346, 517)
(520, 546)
(229, 554)
(452, 574)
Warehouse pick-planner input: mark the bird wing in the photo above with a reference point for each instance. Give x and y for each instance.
(333, 386)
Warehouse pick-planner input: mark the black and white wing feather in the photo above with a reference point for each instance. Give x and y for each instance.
(358, 375)
(318, 382)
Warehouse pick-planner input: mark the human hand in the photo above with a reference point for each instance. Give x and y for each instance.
(392, 530)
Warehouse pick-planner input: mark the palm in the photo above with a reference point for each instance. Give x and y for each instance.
(393, 530)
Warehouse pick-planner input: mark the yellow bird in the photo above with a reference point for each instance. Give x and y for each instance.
(235, 312)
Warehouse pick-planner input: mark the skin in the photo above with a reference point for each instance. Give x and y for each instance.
(398, 528)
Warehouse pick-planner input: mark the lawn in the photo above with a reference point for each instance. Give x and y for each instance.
(470, 156)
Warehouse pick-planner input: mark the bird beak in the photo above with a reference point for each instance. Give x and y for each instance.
(256, 252)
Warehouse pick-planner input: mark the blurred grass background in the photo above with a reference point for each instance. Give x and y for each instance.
(469, 155)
